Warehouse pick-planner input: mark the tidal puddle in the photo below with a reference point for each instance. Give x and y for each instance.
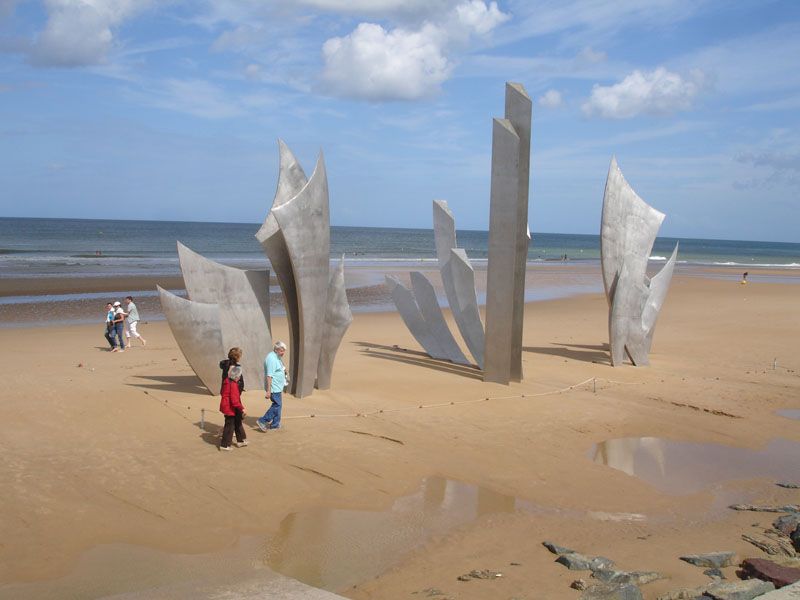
(789, 413)
(679, 468)
(337, 548)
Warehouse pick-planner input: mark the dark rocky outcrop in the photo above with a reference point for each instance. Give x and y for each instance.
(767, 570)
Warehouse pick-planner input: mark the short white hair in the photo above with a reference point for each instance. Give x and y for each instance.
(279, 346)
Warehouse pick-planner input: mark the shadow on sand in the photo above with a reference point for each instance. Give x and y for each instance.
(419, 359)
(584, 353)
(190, 384)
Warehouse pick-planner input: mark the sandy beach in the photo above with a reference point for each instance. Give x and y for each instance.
(110, 483)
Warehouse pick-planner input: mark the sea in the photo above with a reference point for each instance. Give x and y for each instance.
(88, 248)
(98, 248)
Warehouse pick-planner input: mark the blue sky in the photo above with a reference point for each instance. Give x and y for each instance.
(170, 109)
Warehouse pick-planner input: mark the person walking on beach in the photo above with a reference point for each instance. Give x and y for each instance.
(275, 374)
(230, 405)
(234, 356)
(132, 314)
(119, 326)
(109, 334)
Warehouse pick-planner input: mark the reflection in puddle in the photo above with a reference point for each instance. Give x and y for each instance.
(685, 467)
(336, 548)
(789, 413)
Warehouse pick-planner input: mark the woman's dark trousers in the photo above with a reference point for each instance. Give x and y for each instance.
(232, 424)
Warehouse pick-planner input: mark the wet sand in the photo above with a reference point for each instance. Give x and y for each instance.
(29, 302)
(21, 286)
(103, 448)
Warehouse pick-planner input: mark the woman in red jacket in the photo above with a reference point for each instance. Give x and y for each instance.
(231, 406)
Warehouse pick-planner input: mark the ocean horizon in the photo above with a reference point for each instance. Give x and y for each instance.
(46, 247)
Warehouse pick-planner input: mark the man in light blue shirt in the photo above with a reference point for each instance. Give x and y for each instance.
(275, 374)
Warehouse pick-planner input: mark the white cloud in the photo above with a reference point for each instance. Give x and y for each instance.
(79, 32)
(658, 92)
(376, 64)
(551, 99)
(478, 17)
(373, 63)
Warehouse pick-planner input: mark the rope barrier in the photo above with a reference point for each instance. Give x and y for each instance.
(380, 411)
(440, 404)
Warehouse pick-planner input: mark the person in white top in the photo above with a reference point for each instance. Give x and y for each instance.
(119, 326)
(132, 318)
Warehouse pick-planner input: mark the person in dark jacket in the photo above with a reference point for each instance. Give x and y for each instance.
(234, 356)
(110, 326)
(231, 406)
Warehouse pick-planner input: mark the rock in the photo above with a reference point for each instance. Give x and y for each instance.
(790, 592)
(579, 562)
(772, 542)
(600, 562)
(787, 523)
(575, 562)
(767, 570)
(578, 584)
(605, 591)
(795, 537)
(714, 573)
(714, 560)
(482, 574)
(738, 590)
(791, 486)
(685, 594)
(556, 549)
(622, 577)
(787, 508)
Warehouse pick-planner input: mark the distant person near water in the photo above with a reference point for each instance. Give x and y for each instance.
(132, 318)
(231, 406)
(109, 334)
(276, 380)
(744, 278)
(119, 326)
(234, 356)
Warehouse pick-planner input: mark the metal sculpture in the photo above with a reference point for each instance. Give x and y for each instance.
(508, 238)
(230, 307)
(412, 316)
(458, 278)
(198, 331)
(337, 319)
(226, 307)
(421, 311)
(628, 230)
(296, 238)
(432, 313)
